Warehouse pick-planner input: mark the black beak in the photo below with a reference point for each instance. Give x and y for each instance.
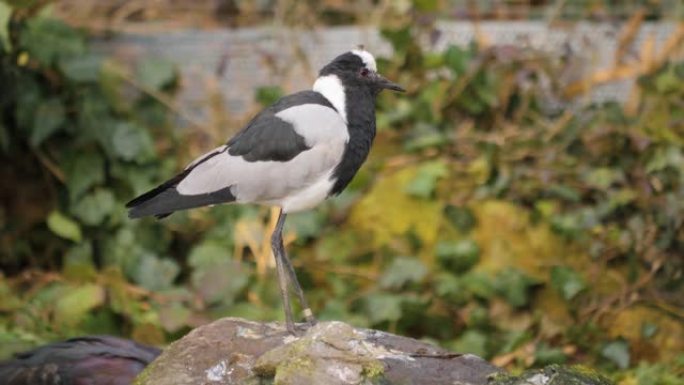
(384, 83)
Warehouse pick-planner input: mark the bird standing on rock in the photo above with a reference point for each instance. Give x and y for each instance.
(294, 154)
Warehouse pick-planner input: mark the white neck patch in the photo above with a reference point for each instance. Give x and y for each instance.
(330, 86)
(367, 58)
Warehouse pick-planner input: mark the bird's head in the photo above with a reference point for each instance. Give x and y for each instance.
(357, 69)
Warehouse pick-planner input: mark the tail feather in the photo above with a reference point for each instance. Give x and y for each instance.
(164, 199)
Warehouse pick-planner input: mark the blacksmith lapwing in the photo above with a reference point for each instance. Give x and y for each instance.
(294, 154)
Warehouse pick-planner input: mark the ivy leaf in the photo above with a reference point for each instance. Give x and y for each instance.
(546, 355)
(457, 58)
(94, 208)
(130, 141)
(156, 73)
(668, 81)
(84, 171)
(5, 14)
(211, 263)
(473, 342)
(514, 286)
(403, 271)
(458, 256)
(567, 281)
(48, 118)
(461, 217)
(382, 307)
(211, 284)
(64, 226)
(73, 305)
(450, 287)
(268, 95)
(618, 352)
(156, 273)
(424, 183)
(81, 68)
(49, 39)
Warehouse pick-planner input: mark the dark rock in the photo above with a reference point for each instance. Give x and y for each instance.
(92, 360)
(236, 351)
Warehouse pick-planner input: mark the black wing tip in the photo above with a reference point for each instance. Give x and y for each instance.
(135, 212)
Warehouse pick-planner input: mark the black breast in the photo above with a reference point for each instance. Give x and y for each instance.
(360, 106)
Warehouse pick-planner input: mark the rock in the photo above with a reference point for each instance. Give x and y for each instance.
(236, 351)
(553, 375)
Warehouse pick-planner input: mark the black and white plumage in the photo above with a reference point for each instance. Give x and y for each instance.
(91, 360)
(294, 154)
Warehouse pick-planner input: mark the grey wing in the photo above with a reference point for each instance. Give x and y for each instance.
(323, 136)
(267, 137)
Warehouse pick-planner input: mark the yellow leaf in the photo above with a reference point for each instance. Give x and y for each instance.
(387, 211)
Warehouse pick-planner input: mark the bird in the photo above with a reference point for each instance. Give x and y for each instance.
(93, 360)
(294, 154)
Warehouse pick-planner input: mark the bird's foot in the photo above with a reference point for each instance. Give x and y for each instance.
(309, 317)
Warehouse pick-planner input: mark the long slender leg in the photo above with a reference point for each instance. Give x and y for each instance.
(306, 310)
(277, 246)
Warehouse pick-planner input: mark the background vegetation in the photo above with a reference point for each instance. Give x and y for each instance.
(492, 217)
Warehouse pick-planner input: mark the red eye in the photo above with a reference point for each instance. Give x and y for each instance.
(364, 72)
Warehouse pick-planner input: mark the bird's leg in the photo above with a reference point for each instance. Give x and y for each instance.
(306, 310)
(277, 247)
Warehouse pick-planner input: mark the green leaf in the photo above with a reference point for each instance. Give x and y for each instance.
(424, 183)
(603, 177)
(473, 342)
(4, 138)
(399, 38)
(64, 226)
(668, 81)
(426, 5)
(78, 262)
(382, 307)
(72, 306)
(567, 281)
(208, 253)
(479, 284)
(156, 273)
(461, 217)
(211, 284)
(95, 207)
(547, 355)
(174, 316)
(131, 142)
(403, 271)
(514, 286)
(457, 256)
(5, 14)
(617, 352)
(49, 39)
(268, 95)
(81, 68)
(457, 58)
(450, 288)
(84, 170)
(49, 116)
(156, 73)
(211, 263)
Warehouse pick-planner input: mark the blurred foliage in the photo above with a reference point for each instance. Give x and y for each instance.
(491, 218)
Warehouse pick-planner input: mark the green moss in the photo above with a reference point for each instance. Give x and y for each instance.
(296, 366)
(373, 370)
(557, 375)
